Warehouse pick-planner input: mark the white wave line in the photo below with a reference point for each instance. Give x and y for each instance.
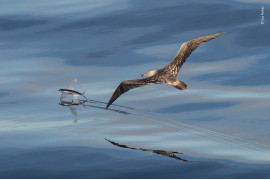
(201, 131)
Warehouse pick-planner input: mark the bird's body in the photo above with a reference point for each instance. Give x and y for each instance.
(168, 74)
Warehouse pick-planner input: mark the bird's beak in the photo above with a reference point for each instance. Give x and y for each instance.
(142, 75)
(186, 89)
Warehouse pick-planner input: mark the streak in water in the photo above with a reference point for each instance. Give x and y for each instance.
(170, 154)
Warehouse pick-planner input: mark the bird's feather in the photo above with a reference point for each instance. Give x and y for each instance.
(178, 84)
(185, 50)
(128, 85)
(167, 74)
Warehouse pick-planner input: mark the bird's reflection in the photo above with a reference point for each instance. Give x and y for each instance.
(161, 152)
(95, 101)
(88, 103)
(114, 110)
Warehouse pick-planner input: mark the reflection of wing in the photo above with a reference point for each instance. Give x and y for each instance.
(73, 110)
(128, 85)
(120, 145)
(63, 95)
(161, 152)
(73, 84)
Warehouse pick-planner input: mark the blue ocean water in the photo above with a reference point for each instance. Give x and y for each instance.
(217, 129)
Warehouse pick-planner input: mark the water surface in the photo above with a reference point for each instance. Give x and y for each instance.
(220, 127)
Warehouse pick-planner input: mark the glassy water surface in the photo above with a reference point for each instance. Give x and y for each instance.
(217, 129)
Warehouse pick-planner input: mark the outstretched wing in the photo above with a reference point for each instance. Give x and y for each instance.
(185, 50)
(73, 84)
(128, 85)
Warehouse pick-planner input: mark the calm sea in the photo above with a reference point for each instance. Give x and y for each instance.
(217, 129)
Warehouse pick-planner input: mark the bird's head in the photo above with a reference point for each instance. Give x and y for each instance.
(149, 73)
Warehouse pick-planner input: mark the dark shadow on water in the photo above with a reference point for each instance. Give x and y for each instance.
(161, 152)
(111, 105)
(16, 22)
(114, 110)
(3, 94)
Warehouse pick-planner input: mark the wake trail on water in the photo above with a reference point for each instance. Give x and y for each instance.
(202, 132)
(210, 134)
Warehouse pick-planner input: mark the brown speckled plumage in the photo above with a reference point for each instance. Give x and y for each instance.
(167, 74)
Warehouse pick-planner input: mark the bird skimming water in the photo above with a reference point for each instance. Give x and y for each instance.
(167, 74)
(70, 90)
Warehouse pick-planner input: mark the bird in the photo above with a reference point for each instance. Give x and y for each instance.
(70, 90)
(167, 74)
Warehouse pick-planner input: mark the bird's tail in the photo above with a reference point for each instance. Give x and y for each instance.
(178, 84)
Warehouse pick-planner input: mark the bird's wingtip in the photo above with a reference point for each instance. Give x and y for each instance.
(222, 33)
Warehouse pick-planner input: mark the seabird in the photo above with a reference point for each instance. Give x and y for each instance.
(70, 90)
(167, 74)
